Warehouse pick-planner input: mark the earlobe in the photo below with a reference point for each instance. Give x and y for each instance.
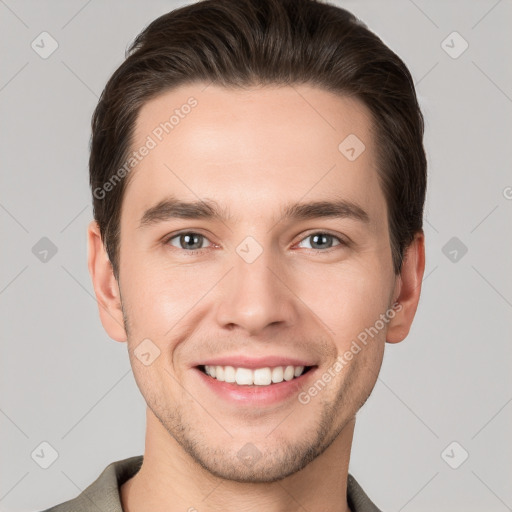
(105, 285)
(407, 289)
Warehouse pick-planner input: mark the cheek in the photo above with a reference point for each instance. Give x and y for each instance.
(151, 297)
(346, 299)
(341, 298)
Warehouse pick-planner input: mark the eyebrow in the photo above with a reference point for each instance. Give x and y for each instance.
(171, 207)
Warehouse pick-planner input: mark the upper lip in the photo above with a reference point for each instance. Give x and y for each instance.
(241, 361)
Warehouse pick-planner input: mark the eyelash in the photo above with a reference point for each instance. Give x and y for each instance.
(342, 242)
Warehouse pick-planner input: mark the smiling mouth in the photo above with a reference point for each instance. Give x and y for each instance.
(258, 377)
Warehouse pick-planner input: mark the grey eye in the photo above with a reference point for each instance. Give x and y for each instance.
(321, 240)
(191, 241)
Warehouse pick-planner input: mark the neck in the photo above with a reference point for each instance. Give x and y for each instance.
(170, 479)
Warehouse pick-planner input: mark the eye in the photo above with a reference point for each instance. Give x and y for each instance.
(321, 240)
(192, 242)
(188, 241)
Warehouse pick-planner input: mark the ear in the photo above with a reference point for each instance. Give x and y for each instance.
(407, 289)
(105, 285)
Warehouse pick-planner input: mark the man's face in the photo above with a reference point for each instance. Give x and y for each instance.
(254, 283)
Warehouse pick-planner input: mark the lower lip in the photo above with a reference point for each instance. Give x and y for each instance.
(256, 395)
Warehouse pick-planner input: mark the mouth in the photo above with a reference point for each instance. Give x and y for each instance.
(254, 377)
(256, 388)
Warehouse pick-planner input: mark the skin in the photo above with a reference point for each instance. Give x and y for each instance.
(252, 151)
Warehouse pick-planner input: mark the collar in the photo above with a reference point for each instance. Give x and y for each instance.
(104, 493)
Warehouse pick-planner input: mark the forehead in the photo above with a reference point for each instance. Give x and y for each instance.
(251, 149)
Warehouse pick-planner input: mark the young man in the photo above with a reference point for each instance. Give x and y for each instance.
(258, 178)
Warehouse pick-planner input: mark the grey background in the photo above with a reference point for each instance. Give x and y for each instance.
(65, 382)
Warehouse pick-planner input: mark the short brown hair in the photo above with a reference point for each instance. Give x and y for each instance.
(239, 43)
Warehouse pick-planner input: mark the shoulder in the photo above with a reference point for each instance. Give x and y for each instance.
(357, 499)
(103, 493)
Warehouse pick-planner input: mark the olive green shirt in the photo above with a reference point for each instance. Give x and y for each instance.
(103, 495)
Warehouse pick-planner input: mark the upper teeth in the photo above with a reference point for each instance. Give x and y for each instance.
(259, 376)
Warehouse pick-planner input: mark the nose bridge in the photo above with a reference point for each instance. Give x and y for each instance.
(253, 297)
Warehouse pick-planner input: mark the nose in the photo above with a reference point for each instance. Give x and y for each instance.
(256, 297)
